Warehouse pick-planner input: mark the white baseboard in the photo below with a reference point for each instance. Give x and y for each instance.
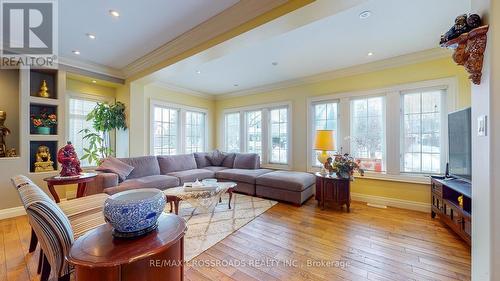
(12, 212)
(392, 202)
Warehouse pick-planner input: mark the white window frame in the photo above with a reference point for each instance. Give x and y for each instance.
(224, 130)
(88, 97)
(392, 124)
(266, 131)
(181, 126)
(312, 132)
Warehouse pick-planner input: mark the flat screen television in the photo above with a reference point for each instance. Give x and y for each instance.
(459, 144)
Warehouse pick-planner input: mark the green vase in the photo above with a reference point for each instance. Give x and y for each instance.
(43, 130)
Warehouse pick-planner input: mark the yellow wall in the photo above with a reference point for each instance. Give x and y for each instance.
(441, 68)
(140, 98)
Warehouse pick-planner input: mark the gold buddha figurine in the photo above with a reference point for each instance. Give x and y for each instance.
(44, 90)
(4, 131)
(43, 162)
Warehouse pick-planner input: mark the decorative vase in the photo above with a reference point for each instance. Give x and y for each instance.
(134, 212)
(43, 130)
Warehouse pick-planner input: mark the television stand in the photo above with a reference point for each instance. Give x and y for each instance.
(451, 201)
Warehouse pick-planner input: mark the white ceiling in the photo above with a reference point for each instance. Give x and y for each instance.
(142, 26)
(335, 41)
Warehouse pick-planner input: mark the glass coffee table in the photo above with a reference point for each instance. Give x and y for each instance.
(205, 199)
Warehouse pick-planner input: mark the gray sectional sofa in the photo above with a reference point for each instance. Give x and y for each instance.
(164, 172)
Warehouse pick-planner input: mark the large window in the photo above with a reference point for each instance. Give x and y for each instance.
(279, 136)
(254, 132)
(195, 131)
(325, 118)
(177, 129)
(232, 132)
(165, 131)
(78, 108)
(263, 130)
(367, 139)
(421, 131)
(397, 132)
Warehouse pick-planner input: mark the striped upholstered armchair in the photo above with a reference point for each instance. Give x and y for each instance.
(57, 225)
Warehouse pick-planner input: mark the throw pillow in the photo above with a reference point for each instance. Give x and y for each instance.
(115, 166)
(216, 158)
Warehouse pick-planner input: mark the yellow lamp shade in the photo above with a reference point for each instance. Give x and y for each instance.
(324, 140)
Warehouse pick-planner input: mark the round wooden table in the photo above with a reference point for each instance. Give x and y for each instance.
(81, 180)
(158, 255)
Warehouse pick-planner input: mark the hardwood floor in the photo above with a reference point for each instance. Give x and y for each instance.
(290, 243)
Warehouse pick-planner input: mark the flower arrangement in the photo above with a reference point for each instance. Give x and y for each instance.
(344, 166)
(44, 119)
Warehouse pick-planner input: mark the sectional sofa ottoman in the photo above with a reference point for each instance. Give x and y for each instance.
(169, 171)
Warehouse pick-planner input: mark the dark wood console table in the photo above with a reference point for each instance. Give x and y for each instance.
(446, 194)
(158, 255)
(333, 189)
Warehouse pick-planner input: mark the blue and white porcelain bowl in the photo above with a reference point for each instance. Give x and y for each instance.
(134, 210)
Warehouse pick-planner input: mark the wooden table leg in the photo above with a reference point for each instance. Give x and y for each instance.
(171, 207)
(230, 191)
(176, 204)
(53, 192)
(80, 192)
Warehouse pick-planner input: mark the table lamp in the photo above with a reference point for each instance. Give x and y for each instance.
(324, 142)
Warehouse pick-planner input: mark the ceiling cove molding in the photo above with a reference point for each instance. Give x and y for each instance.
(241, 17)
(91, 67)
(181, 90)
(413, 58)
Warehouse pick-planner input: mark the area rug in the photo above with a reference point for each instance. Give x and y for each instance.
(205, 229)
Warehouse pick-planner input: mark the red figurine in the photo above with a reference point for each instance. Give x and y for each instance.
(69, 161)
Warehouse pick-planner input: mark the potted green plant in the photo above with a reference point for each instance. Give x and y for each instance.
(105, 118)
(43, 121)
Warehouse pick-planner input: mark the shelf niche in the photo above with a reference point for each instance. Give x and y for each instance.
(36, 109)
(34, 145)
(9, 102)
(36, 78)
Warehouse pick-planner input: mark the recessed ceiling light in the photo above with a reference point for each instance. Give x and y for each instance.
(114, 13)
(198, 71)
(365, 14)
(275, 63)
(370, 54)
(76, 52)
(94, 81)
(236, 85)
(90, 35)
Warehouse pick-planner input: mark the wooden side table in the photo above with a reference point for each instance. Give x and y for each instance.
(81, 180)
(333, 189)
(158, 255)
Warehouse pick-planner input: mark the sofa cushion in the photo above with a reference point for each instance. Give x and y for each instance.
(192, 175)
(157, 181)
(246, 161)
(115, 166)
(216, 158)
(294, 181)
(215, 168)
(201, 159)
(174, 163)
(242, 175)
(143, 166)
(228, 160)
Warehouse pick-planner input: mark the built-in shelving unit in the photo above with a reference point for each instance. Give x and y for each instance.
(54, 81)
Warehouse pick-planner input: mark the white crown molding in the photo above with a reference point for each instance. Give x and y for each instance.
(182, 90)
(92, 67)
(413, 58)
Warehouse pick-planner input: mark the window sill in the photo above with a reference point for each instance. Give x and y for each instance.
(406, 178)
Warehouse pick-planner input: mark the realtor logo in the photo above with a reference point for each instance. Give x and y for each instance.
(28, 33)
